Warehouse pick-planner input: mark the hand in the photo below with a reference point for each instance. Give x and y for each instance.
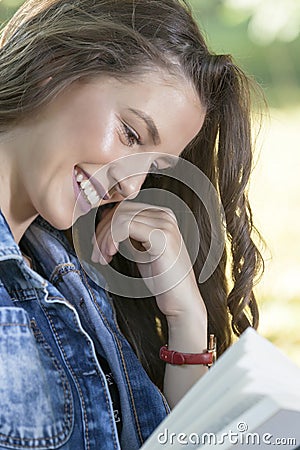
(159, 251)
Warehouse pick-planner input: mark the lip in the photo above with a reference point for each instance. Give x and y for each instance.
(97, 185)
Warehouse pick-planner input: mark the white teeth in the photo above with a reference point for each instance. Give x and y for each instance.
(87, 188)
(89, 191)
(93, 199)
(85, 183)
(79, 177)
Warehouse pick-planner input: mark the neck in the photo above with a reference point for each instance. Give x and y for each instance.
(14, 201)
(18, 225)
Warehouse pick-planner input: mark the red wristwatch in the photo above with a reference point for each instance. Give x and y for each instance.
(206, 358)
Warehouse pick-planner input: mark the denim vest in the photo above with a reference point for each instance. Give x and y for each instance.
(54, 320)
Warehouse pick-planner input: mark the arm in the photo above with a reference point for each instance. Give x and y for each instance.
(188, 334)
(187, 327)
(167, 271)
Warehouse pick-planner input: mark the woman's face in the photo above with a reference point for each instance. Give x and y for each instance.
(114, 131)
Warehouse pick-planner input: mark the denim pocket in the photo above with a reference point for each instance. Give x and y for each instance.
(36, 408)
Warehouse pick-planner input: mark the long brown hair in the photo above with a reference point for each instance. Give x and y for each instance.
(72, 39)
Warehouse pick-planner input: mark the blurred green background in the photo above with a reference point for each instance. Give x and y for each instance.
(264, 38)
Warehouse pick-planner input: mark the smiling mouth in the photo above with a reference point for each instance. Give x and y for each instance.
(90, 187)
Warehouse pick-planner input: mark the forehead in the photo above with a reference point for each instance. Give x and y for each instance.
(159, 83)
(171, 103)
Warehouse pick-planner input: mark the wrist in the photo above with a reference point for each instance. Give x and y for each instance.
(206, 358)
(194, 317)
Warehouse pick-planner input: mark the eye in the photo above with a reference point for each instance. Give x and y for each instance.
(131, 136)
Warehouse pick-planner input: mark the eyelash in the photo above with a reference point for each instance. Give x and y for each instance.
(130, 136)
(133, 138)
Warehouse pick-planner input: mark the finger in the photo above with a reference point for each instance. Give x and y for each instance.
(122, 225)
(148, 210)
(99, 242)
(105, 246)
(111, 247)
(115, 228)
(153, 222)
(153, 240)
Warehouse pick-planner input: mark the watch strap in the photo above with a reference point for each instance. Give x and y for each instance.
(206, 358)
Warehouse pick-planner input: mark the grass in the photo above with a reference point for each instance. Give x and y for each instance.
(275, 200)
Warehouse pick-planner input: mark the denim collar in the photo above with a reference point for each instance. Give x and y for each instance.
(12, 261)
(8, 246)
(49, 249)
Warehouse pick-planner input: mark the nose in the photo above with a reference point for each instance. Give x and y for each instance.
(128, 174)
(130, 186)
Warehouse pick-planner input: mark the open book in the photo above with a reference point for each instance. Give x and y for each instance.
(250, 398)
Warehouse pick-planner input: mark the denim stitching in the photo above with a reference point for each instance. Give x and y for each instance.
(68, 415)
(102, 382)
(66, 387)
(122, 357)
(60, 271)
(71, 370)
(167, 408)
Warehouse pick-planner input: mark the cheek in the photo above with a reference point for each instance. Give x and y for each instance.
(96, 140)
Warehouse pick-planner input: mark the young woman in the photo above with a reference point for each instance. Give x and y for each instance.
(93, 96)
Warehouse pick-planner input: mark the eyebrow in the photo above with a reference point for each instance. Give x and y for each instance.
(151, 127)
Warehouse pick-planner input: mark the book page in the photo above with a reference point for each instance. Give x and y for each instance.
(249, 380)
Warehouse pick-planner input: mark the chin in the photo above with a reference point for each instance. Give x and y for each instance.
(61, 220)
(61, 225)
